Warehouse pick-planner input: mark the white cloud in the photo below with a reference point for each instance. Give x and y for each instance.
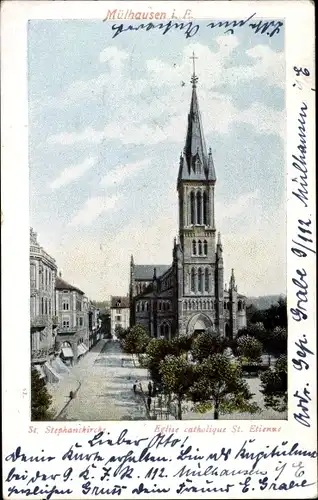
(92, 209)
(237, 208)
(71, 174)
(122, 172)
(70, 138)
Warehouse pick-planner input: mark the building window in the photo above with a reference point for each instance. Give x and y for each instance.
(206, 280)
(205, 208)
(117, 318)
(194, 247)
(118, 311)
(200, 280)
(32, 276)
(142, 306)
(81, 321)
(164, 330)
(200, 247)
(159, 305)
(199, 206)
(65, 305)
(239, 306)
(205, 247)
(192, 207)
(192, 280)
(50, 307)
(137, 307)
(66, 323)
(147, 306)
(42, 305)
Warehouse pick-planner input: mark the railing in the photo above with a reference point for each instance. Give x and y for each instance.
(39, 251)
(39, 321)
(67, 331)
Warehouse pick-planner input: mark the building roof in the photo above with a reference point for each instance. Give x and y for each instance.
(119, 302)
(64, 285)
(146, 272)
(195, 163)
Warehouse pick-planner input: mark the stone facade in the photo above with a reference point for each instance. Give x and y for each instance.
(119, 313)
(43, 319)
(72, 309)
(189, 296)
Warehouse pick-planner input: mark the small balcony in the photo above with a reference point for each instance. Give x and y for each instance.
(67, 331)
(39, 322)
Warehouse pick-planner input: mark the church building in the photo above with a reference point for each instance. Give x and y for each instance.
(189, 296)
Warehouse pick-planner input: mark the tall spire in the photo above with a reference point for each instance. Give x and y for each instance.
(197, 165)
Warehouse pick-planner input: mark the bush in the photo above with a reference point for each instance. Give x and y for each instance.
(41, 400)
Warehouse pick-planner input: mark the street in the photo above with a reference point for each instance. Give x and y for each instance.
(105, 378)
(106, 391)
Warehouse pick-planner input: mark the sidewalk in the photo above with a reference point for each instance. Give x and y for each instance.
(60, 392)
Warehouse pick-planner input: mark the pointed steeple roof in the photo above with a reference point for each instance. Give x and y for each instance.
(195, 163)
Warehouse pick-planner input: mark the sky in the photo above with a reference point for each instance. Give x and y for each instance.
(107, 123)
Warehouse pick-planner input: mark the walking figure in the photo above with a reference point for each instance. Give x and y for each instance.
(135, 386)
(150, 388)
(149, 402)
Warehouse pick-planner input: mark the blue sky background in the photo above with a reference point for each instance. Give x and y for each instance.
(107, 122)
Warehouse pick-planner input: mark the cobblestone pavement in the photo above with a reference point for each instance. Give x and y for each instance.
(106, 391)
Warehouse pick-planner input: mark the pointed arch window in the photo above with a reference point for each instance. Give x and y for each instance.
(205, 247)
(200, 247)
(192, 207)
(192, 280)
(206, 280)
(205, 208)
(194, 247)
(200, 280)
(199, 206)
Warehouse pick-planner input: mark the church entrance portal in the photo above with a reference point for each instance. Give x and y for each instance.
(199, 323)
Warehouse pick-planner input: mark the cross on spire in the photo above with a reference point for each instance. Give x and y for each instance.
(194, 78)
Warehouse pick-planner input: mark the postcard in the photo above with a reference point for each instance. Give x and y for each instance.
(159, 250)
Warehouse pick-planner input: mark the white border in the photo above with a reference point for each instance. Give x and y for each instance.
(299, 26)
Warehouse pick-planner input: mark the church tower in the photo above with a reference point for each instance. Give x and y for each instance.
(202, 265)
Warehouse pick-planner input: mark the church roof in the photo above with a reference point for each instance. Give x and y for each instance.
(195, 162)
(146, 272)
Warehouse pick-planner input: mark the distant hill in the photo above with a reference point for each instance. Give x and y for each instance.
(263, 302)
(102, 305)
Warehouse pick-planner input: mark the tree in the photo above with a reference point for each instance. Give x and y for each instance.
(177, 378)
(41, 400)
(120, 332)
(250, 348)
(136, 340)
(206, 344)
(255, 330)
(156, 351)
(277, 340)
(274, 385)
(219, 384)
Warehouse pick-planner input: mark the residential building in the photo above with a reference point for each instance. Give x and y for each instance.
(43, 319)
(119, 313)
(72, 310)
(93, 325)
(188, 296)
